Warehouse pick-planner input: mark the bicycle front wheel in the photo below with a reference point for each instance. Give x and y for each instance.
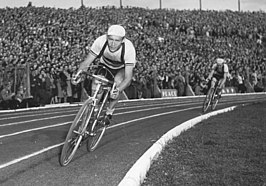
(75, 134)
(214, 102)
(207, 100)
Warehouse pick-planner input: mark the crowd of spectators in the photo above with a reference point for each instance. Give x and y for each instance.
(175, 48)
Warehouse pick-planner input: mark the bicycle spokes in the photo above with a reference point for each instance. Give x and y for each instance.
(94, 141)
(207, 100)
(76, 134)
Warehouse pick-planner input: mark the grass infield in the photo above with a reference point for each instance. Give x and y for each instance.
(228, 149)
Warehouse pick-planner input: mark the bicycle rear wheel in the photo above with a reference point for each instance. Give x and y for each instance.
(214, 103)
(75, 133)
(97, 128)
(98, 131)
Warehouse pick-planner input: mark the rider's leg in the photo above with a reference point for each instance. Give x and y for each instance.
(119, 77)
(212, 85)
(220, 88)
(213, 82)
(99, 95)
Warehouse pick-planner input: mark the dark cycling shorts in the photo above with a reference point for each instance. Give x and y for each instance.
(106, 71)
(218, 77)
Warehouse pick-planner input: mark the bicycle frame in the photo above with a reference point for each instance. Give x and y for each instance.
(210, 98)
(214, 90)
(106, 90)
(79, 131)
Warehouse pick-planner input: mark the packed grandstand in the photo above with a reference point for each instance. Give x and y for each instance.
(40, 49)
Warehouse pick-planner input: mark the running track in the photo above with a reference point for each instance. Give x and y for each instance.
(31, 140)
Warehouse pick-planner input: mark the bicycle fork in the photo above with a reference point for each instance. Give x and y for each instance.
(95, 111)
(106, 92)
(83, 129)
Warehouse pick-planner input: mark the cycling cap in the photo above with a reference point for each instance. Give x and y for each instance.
(116, 30)
(220, 61)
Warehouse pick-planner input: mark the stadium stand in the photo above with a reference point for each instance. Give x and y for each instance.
(42, 48)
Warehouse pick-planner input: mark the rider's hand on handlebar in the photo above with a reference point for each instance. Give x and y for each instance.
(114, 93)
(207, 81)
(76, 78)
(204, 83)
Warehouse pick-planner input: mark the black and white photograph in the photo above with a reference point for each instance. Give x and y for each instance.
(132, 92)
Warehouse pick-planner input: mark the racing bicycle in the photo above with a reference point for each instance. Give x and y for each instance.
(211, 98)
(88, 126)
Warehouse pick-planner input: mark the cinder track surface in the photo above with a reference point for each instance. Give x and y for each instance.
(31, 140)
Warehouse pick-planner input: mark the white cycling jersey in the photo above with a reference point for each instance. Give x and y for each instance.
(113, 59)
(219, 72)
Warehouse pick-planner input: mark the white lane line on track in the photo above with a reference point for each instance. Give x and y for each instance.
(33, 120)
(34, 129)
(40, 108)
(154, 108)
(56, 125)
(160, 104)
(10, 116)
(117, 125)
(152, 116)
(140, 110)
(29, 156)
(39, 114)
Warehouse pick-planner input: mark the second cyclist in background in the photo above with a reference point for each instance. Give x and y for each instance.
(118, 55)
(218, 73)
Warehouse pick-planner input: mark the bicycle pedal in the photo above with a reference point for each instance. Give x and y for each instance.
(100, 124)
(92, 134)
(87, 133)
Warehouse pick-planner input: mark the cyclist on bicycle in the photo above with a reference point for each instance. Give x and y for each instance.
(118, 55)
(218, 73)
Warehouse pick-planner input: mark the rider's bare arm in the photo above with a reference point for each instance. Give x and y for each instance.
(223, 80)
(87, 62)
(83, 67)
(130, 61)
(128, 77)
(212, 72)
(210, 75)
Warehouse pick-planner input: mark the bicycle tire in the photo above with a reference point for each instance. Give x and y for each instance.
(215, 99)
(207, 101)
(214, 103)
(75, 134)
(206, 104)
(93, 141)
(98, 128)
